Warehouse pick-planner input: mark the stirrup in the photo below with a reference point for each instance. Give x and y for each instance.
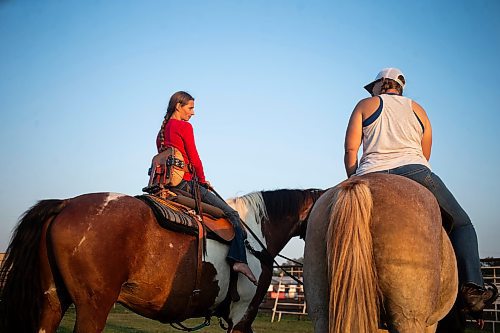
(488, 286)
(476, 298)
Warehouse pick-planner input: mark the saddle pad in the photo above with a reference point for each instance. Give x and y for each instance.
(176, 217)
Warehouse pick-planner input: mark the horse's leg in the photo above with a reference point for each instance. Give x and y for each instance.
(93, 298)
(240, 329)
(55, 298)
(51, 315)
(452, 322)
(91, 314)
(89, 244)
(55, 302)
(315, 264)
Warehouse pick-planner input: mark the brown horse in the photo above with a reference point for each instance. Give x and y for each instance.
(97, 249)
(375, 247)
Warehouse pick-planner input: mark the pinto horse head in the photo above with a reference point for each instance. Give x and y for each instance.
(277, 215)
(274, 218)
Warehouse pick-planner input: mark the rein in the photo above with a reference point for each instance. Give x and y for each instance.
(286, 272)
(264, 256)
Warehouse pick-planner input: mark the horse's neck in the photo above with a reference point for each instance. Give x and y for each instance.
(273, 215)
(273, 235)
(279, 233)
(252, 211)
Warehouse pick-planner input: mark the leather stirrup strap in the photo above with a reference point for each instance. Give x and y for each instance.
(201, 248)
(195, 296)
(195, 187)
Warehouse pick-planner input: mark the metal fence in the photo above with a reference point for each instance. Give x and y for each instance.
(490, 270)
(491, 273)
(288, 294)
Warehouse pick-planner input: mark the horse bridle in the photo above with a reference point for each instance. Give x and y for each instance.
(263, 255)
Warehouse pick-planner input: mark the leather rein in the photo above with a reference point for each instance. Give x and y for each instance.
(263, 255)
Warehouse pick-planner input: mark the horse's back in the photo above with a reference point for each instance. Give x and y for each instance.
(86, 219)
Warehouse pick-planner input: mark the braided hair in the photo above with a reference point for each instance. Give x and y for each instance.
(391, 84)
(181, 97)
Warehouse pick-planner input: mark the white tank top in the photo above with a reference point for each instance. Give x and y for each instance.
(392, 136)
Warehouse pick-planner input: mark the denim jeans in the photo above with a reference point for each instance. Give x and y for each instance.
(237, 251)
(463, 235)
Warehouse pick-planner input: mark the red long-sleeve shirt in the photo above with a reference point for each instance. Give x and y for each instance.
(179, 134)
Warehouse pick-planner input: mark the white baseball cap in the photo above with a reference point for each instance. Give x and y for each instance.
(387, 73)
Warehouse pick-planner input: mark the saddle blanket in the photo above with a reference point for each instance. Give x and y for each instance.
(180, 218)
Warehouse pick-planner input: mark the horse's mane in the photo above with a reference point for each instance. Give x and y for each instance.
(287, 202)
(250, 204)
(271, 205)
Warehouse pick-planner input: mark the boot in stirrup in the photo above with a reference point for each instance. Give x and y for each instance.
(476, 298)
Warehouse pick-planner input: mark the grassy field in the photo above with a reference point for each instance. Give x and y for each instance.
(121, 320)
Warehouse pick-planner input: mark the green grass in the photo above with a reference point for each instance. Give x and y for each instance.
(122, 320)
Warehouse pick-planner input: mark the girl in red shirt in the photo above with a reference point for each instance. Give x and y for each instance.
(176, 131)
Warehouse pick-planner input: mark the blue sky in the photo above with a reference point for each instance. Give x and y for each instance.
(84, 86)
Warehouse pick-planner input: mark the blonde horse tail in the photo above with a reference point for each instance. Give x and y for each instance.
(354, 292)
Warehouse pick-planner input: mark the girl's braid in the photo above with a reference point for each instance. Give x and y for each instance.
(161, 134)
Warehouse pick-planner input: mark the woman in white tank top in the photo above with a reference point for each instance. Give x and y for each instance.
(397, 139)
